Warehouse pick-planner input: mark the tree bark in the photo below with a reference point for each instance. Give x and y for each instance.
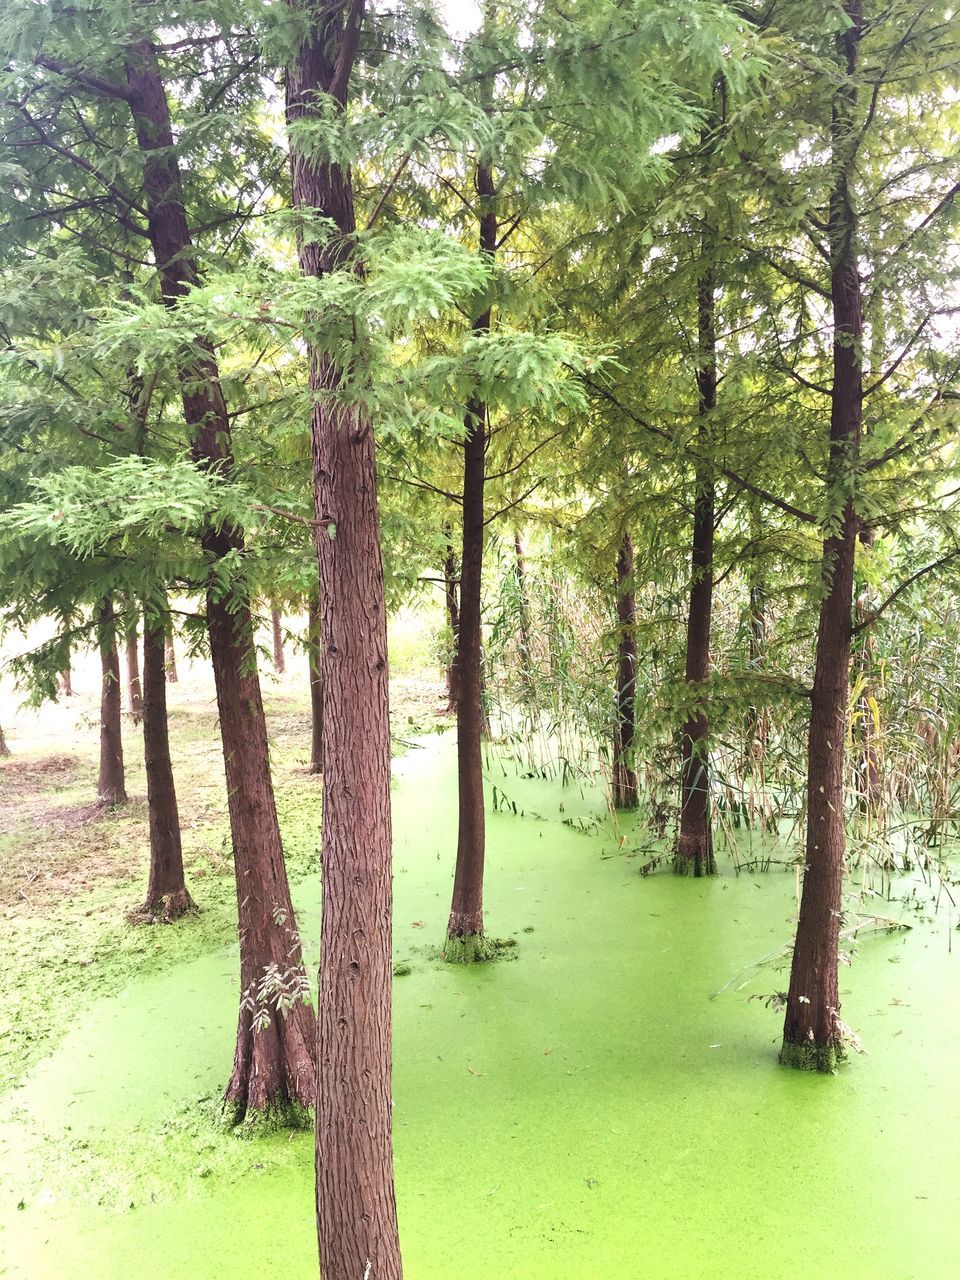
(694, 855)
(110, 782)
(167, 897)
(315, 661)
(273, 1066)
(4, 749)
(624, 775)
(279, 663)
(356, 1210)
(134, 691)
(451, 583)
(66, 681)
(812, 1033)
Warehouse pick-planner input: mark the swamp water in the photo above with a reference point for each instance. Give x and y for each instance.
(581, 1109)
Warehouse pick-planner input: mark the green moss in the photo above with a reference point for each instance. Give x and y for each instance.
(475, 948)
(283, 1115)
(401, 969)
(810, 1056)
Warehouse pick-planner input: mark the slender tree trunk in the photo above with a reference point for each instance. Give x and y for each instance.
(169, 654)
(273, 1066)
(279, 662)
(869, 774)
(356, 1210)
(4, 749)
(110, 783)
(315, 662)
(756, 724)
(465, 926)
(694, 854)
(134, 692)
(523, 594)
(453, 620)
(66, 680)
(624, 774)
(465, 941)
(812, 1033)
(167, 897)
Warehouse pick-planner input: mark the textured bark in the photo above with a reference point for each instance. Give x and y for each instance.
(466, 911)
(356, 1211)
(624, 774)
(279, 662)
(110, 782)
(812, 1033)
(450, 594)
(315, 661)
(134, 691)
(273, 1066)
(694, 855)
(167, 896)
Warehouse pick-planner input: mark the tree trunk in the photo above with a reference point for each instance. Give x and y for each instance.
(4, 749)
(110, 783)
(356, 1210)
(694, 854)
(869, 773)
(453, 621)
(624, 774)
(169, 655)
(167, 897)
(66, 680)
(315, 660)
(279, 663)
(465, 941)
(134, 692)
(523, 602)
(812, 1033)
(273, 1066)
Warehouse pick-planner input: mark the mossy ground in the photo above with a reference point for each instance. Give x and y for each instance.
(595, 1076)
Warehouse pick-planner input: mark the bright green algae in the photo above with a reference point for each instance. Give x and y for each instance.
(583, 1110)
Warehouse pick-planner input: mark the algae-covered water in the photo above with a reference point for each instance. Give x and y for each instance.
(584, 1109)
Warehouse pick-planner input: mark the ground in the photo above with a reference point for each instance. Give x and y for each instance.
(606, 1102)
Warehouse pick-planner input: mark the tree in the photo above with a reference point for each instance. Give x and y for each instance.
(356, 1208)
(167, 895)
(111, 789)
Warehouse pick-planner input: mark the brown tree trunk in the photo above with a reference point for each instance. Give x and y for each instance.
(624, 774)
(273, 1066)
(694, 855)
(110, 782)
(465, 941)
(169, 655)
(451, 583)
(812, 1033)
(167, 897)
(66, 681)
(523, 595)
(465, 926)
(279, 662)
(315, 661)
(134, 692)
(4, 749)
(356, 1210)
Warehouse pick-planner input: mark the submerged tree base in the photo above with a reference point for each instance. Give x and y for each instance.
(250, 1122)
(165, 909)
(475, 948)
(684, 865)
(810, 1056)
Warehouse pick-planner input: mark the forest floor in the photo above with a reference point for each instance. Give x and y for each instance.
(606, 1102)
